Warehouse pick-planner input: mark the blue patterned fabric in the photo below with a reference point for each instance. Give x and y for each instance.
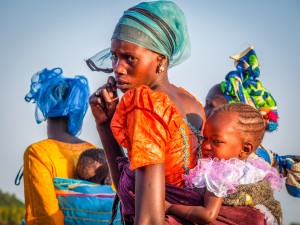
(85, 203)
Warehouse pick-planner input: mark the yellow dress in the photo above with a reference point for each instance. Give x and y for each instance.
(43, 161)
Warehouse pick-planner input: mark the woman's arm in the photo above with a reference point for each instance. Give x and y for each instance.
(198, 214)
(150, 195)
(103, 104)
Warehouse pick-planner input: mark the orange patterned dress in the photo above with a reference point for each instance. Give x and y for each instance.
(149, 126)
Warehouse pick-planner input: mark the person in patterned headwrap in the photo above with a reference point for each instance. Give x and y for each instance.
(242, 85)
(158, 123)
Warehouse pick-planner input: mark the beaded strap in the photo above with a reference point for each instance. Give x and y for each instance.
(187, 146)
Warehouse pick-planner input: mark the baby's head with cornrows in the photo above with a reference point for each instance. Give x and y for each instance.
(92, 166)
(233, 131)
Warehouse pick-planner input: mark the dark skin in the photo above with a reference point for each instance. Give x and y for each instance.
(135, 66)
(57, 129)
(224, 141)
(214, 99)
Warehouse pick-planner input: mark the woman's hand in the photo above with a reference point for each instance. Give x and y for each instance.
(103, 102)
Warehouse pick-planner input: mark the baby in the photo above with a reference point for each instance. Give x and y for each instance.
(92, 166)
(225, 174)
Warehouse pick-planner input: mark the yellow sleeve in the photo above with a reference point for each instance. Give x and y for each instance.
(41, 203)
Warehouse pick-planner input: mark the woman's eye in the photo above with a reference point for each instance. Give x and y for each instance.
(113, 57)
(131, 59)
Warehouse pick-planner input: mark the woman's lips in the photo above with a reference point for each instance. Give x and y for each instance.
(121, 84)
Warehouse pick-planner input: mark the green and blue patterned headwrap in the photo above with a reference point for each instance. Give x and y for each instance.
(242, 85)
(159, 26)
(57, 96)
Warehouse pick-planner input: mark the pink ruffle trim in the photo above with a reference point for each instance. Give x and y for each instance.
(222, 177)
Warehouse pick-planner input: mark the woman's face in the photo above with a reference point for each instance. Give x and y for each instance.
(133, 65)
(214, 99)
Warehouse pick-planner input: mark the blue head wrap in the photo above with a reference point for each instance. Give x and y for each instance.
(159, 26)
(56, 96)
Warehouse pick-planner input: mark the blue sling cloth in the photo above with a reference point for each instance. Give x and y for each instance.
(85, 203)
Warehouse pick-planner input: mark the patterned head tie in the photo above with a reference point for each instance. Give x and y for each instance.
(242, 85)
(159, 26)
(57, 96)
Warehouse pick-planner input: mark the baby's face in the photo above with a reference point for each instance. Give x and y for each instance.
(221, 138)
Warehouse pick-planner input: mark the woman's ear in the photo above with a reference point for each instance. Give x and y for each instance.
(247, 149)
(161, 58)
(161, 63)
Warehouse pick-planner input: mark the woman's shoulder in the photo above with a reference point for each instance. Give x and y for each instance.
(192, 99)
(39, 148)
(51, 145)
(39, 144)
(144, 98)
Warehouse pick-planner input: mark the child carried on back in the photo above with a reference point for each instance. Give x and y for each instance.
(225, 174)
(88, 199)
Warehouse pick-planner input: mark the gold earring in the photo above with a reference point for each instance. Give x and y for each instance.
(160, 68)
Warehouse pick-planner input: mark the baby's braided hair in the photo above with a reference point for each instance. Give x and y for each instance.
(250, 121)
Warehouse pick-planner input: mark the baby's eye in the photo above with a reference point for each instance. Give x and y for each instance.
(217, 141)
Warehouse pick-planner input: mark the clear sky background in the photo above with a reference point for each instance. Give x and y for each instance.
(35, 34)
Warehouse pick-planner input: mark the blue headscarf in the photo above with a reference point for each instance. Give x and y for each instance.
(57, 96)
(159, 26)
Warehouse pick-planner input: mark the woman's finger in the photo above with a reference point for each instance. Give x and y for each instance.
(112, 82)
(97, 99)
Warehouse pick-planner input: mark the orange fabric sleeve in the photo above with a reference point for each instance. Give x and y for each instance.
(141, 124)
(148, 136)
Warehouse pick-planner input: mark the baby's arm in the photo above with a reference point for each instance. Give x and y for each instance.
(198, 214)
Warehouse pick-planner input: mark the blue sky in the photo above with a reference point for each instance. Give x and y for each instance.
(41, 33)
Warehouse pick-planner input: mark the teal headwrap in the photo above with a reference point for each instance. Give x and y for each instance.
(159, 26)
(56, 96)
(242, 85)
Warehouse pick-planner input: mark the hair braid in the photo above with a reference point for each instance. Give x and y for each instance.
(250, 121)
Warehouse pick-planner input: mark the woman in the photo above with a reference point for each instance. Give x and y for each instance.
(242, 85)
(62, 102)
(144, 45)
(158, 123)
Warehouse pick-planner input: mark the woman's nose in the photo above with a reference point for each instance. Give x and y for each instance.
(119, 67)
